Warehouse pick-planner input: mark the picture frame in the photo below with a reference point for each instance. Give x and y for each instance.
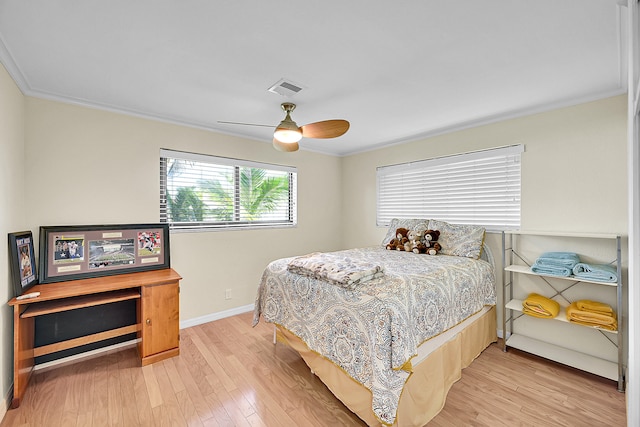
(24, 273)
(85, 251)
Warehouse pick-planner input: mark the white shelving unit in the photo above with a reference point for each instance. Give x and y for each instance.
(512, 310)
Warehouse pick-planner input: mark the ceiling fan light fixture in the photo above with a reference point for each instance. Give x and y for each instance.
(287, 135)
(288, 131)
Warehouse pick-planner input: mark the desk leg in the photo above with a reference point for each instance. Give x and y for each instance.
(23, 336)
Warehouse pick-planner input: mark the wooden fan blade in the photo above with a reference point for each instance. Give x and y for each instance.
(287, 147)
(245, 124)
(325, 129)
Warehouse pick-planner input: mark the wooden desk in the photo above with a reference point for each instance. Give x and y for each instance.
(157, 324)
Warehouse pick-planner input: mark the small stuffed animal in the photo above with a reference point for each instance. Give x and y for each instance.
(431, 245)
(398, 241)
(420, 248)
(431, 236)
(401, 235)
(392, 244)
(434, 249)
(414, 237)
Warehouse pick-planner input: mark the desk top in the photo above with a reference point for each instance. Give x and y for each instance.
(72, 288)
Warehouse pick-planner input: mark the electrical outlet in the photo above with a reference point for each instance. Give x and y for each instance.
(227, 294)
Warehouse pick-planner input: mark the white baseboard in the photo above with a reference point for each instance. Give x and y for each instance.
(7, 400)
(215, 316)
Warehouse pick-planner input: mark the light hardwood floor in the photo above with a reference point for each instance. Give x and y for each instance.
(230, 374)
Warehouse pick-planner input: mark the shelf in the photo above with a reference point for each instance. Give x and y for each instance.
(583, 357)
(56, 306)
(585, 362)
(557, 234)
(516, 305)
(526, 270)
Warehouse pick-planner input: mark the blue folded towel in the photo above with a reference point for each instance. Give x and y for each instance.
(556, 263)
(598, 272)
(555, 259)
(551, 270)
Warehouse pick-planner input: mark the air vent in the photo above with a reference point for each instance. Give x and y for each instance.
(286, 88)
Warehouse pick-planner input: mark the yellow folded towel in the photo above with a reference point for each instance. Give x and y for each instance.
(589, 318)
(612, 327)
(538, 306)
(594, 306)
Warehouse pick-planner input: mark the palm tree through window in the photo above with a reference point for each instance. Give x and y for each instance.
(204, 191)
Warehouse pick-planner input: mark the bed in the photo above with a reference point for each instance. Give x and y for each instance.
(391, 346)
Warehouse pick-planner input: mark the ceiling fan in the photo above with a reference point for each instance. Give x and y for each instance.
(287, 133)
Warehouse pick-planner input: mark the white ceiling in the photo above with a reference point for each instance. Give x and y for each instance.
(398, 71)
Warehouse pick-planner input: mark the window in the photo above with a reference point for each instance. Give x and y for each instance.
(199, 191)
(481, 187)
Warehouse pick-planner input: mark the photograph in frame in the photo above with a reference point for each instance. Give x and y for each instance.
(111, 253)
(149, 243)
(22, 261)
(68, 249)
(87, 251)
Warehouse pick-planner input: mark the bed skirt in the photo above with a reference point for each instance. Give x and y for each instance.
(425, 392)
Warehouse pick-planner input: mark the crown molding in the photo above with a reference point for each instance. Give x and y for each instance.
(12, 68)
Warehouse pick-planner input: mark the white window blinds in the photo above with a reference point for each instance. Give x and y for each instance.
(201, 191)
(481, 187)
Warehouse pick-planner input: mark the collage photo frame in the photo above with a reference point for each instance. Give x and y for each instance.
(78, 252)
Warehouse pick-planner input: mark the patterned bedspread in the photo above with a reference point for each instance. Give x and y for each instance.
(372, 332)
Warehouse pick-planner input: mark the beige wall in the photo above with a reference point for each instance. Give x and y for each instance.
(12, 209)
(88, 166)
(574, 169)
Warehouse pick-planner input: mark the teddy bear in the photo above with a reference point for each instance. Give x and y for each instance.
(420, 248)
(402, 237)
(398, 241)
(431, 241)
(393, 244)
(434, 249)
(431, 236)
(413, 239)
(428, 244)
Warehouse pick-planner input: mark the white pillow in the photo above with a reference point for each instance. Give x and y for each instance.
(459, 240)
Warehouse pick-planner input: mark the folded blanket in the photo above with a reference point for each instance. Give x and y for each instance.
(539, 306)
(551, 270)
(555, 259)
(599, 272)
(588, 318)
(335, 269)
(594, 307)
(556, 263)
